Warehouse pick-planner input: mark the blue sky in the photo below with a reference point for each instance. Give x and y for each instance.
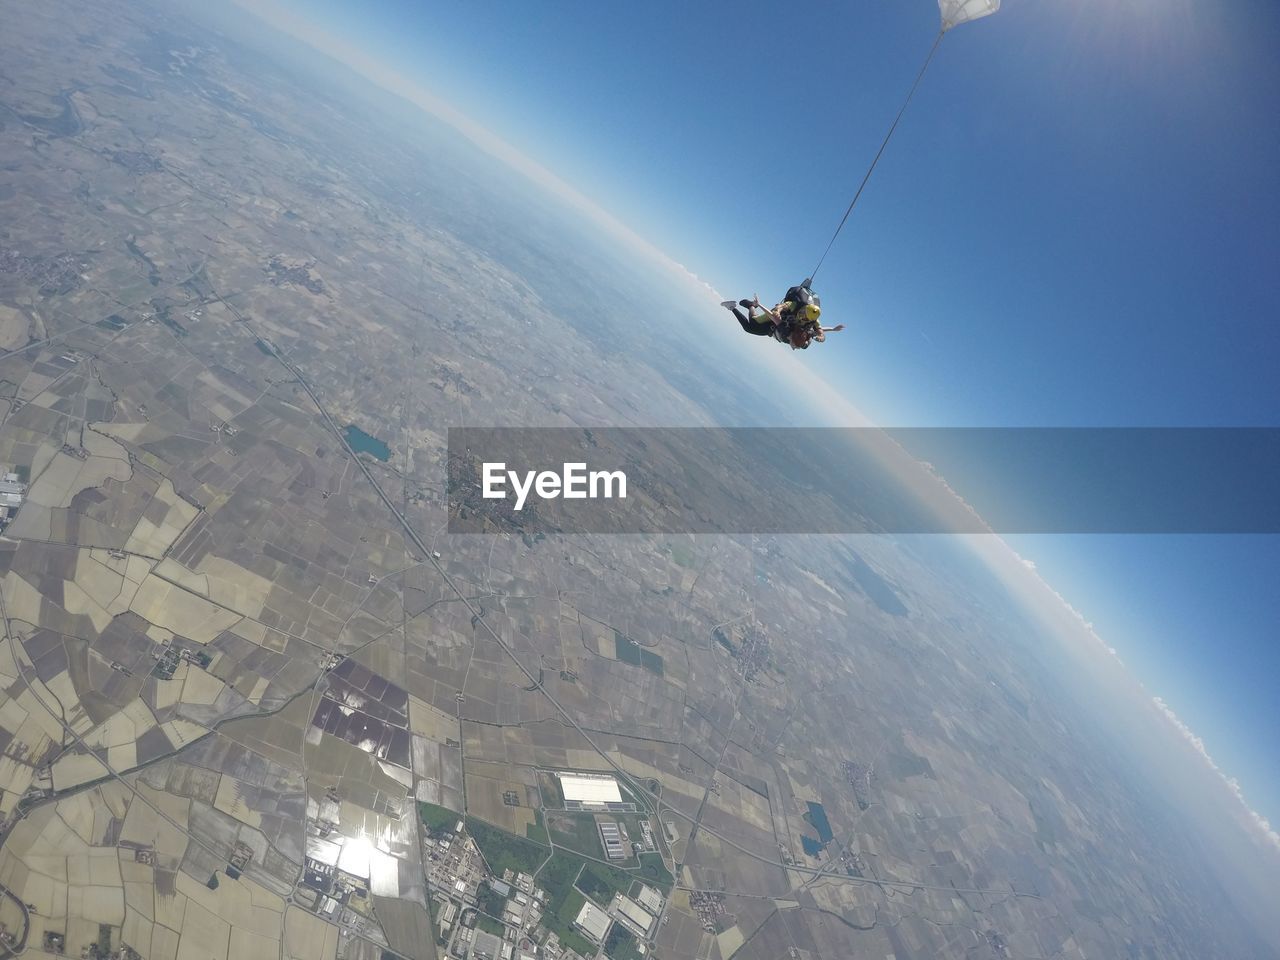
(1077, 224)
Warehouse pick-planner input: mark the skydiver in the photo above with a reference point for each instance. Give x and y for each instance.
(793, 321)
(806, 329)
(808, 332)
(804, 307)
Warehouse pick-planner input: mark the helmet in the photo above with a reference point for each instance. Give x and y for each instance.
(811, 312)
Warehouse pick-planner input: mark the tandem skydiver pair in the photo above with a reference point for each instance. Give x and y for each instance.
(793, 321)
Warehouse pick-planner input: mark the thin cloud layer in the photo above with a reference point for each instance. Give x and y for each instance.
(1261, 823)
(1027, 569)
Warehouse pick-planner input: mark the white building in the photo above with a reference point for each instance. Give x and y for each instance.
(650, 899)
(11, 493)
(611, 837)
(589, 790)
(637, 914)
(593, 922)
(485, 946)
(447, 916)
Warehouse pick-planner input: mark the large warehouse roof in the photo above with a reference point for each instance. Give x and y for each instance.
(586, 788)
(593, 921)
(650, 899)
(636, 913)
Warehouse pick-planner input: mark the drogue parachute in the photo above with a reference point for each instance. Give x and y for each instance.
(956, 12)
(953, 13)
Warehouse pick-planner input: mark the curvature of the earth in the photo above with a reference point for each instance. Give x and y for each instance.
(217, 249)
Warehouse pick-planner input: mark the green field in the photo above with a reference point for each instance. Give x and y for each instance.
(549, 786)
(505, 851)
(621, 944)
(577, 832)
(563, 900)
(435, 907)
(561, 922)
(437, 818)
(655, 873)
(490, 925)
(600, 883)
(595, 888)
(558, 876)
(537, 831)
(682, 554)
(490, 901)
(632, 822)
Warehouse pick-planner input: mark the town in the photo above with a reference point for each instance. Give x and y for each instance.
(569, 906)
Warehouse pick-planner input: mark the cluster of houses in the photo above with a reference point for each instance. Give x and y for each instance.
(12, 492)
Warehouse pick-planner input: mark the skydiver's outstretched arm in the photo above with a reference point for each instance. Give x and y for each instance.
(821, 335)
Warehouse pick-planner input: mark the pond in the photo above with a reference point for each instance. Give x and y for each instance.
(816, 818)
(361, 442)
(880, 591)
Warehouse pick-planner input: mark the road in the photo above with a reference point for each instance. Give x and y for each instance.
(20, 943)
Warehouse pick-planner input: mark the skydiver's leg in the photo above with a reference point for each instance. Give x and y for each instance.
(747, 321)
(754, 326)
(758, 322)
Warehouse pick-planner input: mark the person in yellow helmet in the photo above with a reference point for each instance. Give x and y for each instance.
(793, 321)
(805, 328)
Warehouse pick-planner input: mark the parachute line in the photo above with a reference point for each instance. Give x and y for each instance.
(879, 153)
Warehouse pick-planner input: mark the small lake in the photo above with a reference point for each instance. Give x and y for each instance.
(817, 818)
(361, 442)
(880, 591)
